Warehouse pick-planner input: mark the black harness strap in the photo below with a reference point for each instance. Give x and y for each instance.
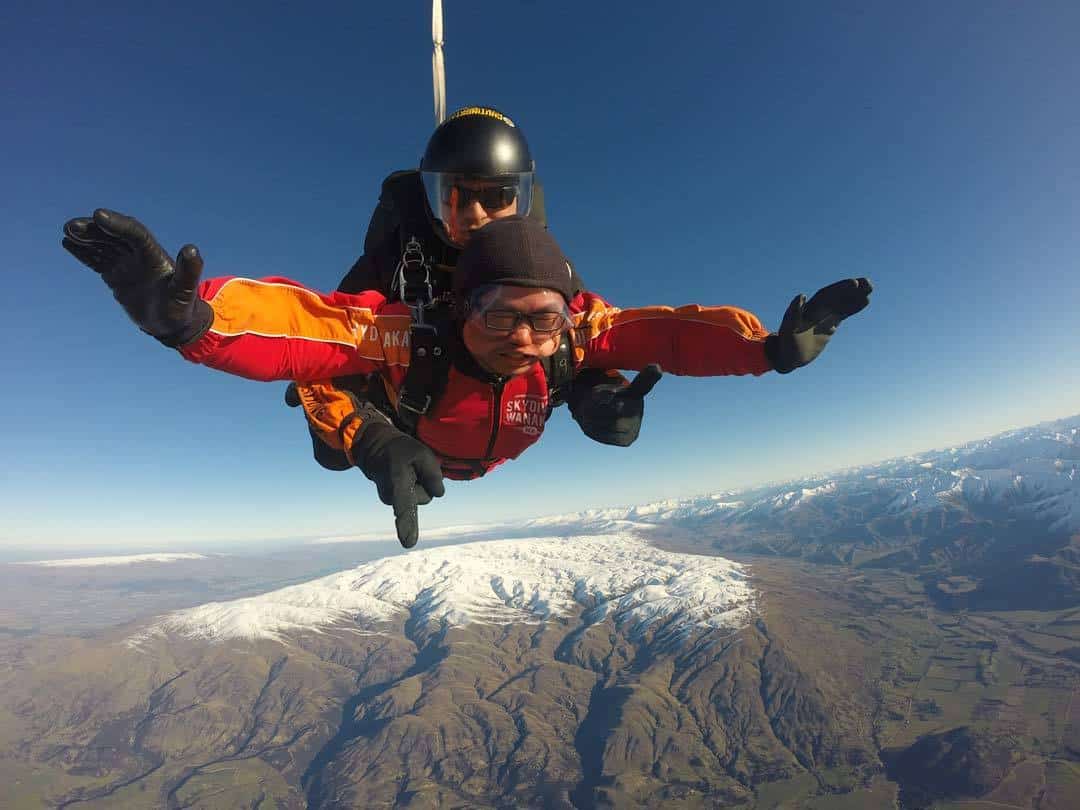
(559, 371)
(429, 360)
(425, 380)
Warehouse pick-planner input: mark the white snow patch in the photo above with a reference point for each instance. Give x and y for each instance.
(130, 559)
(493, 581)
(795, 498)
(443, 533)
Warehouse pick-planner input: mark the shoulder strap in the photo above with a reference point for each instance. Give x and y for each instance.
(537, 211)
(404, 191)
(559, 370)
(429, 369)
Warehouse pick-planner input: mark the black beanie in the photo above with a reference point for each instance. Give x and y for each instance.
(516, 251)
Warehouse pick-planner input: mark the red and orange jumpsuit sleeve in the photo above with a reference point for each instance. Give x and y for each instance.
(276, 329)
(690, 340)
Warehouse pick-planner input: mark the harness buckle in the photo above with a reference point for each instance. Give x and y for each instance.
(412, 279)
(420, 410)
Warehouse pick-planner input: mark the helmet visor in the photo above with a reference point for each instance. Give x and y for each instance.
(452, 199)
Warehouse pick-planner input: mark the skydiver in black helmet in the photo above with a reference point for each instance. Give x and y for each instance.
(476, 168)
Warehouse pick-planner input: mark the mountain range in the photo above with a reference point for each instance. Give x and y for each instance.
(990, 524)
(905, 634)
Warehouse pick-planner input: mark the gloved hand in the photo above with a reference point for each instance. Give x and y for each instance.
(607, 409)
(160, 296)
(405, 471)
(808, 325)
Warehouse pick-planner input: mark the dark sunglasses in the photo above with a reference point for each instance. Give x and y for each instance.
(541, 323)
(491, 198)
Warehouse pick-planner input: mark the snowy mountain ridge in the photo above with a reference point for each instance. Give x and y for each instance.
(526, 580)
(600, 560)
(1032, 472)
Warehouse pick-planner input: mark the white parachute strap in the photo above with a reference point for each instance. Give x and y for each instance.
(438, 67)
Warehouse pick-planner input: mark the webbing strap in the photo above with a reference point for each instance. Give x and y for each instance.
(559, 371)
(425, 380)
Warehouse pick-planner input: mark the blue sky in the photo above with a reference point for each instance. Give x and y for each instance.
(734, 153)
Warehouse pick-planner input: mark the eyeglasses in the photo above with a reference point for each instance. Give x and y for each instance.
(541, 323)
(491, 198)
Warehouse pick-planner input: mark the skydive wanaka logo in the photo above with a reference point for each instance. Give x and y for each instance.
(526, 413)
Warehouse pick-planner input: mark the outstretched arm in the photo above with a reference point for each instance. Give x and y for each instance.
(691, 340)
(711, 341)
(265, 329)
(276, 329)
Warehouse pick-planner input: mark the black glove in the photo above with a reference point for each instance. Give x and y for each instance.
(405, 471)
(808, 325)
(161, 297)
(610, 411)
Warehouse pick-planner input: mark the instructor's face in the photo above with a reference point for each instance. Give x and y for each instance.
(517, 329)
(476, 209)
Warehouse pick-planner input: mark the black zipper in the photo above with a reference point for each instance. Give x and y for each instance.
(496, 411)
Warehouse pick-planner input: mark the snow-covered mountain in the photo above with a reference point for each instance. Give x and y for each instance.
(912, 511)
(534, 664)
(1000, 510)
(1031, 473)
(618, 575)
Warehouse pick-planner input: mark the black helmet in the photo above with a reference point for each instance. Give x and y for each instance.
(476, 155)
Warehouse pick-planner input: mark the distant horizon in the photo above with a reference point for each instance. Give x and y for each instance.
(18, 555)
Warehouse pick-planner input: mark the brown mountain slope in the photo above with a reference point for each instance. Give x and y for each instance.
(790, 711)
